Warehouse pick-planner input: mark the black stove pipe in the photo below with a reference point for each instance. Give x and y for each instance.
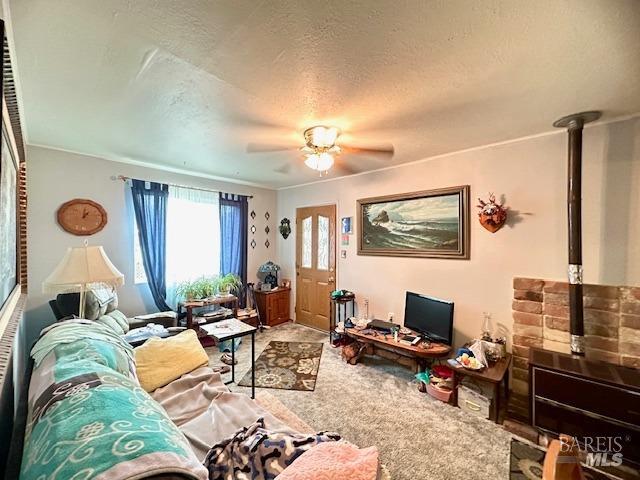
(574, 125)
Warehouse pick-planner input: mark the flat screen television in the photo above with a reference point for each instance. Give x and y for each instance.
(430, 317)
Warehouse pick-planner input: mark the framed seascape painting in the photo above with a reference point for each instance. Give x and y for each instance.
(432, 223)
(8, 219)
(8, 200)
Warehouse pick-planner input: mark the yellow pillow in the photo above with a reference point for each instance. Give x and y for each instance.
(160, 361)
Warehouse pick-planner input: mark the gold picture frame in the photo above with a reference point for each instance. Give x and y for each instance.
(427, 224)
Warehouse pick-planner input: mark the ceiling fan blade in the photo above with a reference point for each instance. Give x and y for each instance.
(385, 150)
(343, 168)
(284, 169)
(265, 148)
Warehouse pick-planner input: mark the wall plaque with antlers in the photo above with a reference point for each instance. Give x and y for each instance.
(492, 216)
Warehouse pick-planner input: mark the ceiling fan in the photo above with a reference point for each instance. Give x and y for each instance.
(320, 149)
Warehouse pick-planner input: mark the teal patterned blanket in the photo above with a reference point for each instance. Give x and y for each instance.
(89, 418)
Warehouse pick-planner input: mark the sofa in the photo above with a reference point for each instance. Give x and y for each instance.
(102, 305)
(89, 417)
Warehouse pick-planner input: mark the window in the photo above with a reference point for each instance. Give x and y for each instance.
(306, 242)
(323, 243)
(193, 234)
(193, 238)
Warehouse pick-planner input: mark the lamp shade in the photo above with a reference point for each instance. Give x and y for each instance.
(268, 267)
(81, 266)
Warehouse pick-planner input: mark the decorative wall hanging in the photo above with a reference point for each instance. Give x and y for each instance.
(253, 229)
(433, 223)
(267, 229)
(253, 243)
(285, 227)
(81, 216)
(253, 214)
(491, 215)
(267, 216)
(346, 225)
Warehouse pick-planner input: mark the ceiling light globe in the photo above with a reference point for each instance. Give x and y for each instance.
(324, 137)
(312, 161)
(319, 161)
(325, 162)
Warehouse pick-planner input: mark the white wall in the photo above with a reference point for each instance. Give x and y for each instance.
(55, 177)
(531, 174)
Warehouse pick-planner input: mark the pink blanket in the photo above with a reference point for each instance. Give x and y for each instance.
(332, 460)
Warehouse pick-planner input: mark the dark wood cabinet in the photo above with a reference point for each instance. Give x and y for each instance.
(586, 399)
(273, 306)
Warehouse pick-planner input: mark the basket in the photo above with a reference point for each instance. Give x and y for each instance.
(442, 394)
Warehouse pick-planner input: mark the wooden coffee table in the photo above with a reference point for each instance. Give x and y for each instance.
(421, 354)
(231, 300)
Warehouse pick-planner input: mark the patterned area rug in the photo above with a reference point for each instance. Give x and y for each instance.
(287, 366)
(526, 463)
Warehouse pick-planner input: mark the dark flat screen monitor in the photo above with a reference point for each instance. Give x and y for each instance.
(431, 317)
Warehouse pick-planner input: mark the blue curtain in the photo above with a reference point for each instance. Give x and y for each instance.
(150, 207)
(233, 236)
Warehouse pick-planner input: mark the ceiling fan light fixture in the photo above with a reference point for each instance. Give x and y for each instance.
(319, 161)
(307, 149)
(321, 136)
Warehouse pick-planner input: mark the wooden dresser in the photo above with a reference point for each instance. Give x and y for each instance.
(274, 306)
(585, 398)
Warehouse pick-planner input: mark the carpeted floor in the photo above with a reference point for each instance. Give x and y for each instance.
(376, 403)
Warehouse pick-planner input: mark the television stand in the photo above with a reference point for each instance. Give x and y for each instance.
(415, 356)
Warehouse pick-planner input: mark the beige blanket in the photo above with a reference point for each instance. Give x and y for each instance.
(207, 412)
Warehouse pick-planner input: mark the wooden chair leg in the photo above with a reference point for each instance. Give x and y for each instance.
(562, 461)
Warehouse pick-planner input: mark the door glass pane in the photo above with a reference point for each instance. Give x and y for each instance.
(323, 243)
(306, 242)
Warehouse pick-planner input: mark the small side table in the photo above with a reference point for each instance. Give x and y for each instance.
(231, 329)
(338, 311)
(273, 305)
(496, 374)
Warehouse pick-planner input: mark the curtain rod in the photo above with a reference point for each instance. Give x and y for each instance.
(124, 179)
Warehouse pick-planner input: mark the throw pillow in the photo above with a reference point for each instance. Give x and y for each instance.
(159, 361)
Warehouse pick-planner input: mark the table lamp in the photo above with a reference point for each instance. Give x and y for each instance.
(80, 268)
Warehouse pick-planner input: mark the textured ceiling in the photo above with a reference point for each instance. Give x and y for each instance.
(188, 84)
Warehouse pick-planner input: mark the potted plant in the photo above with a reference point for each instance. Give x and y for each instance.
(198, 289)
(187, 290)
(229, 284)
(207, 286)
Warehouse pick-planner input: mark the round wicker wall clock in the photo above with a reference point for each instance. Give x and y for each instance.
(81, 216)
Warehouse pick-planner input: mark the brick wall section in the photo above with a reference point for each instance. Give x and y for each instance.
(541, 319)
